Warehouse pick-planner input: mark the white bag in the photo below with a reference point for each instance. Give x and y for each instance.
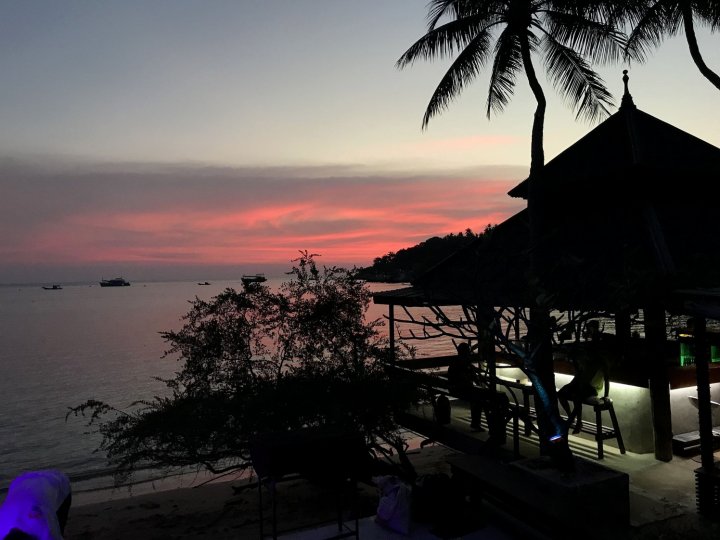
(393, 509)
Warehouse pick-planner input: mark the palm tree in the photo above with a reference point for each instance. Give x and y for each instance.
(652, 20)
(564, 33)
(508, 33)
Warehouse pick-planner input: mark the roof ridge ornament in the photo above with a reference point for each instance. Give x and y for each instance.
(627, 100)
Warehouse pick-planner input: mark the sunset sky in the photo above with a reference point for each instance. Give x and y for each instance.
(188, 139)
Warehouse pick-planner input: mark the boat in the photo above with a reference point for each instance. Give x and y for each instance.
(203, 283)
(115, 282)
(248, 279)
(53, 288)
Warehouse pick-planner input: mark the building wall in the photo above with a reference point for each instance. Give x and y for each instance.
(685, 414)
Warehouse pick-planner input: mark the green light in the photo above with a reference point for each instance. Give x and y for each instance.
(687, 356)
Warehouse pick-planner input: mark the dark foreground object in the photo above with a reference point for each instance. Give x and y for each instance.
(707, 485)
(326, 456)
(591, 502)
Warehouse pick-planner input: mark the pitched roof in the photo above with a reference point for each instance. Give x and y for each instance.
(596, 258)
(632, 153)
(411, 297)
(490, 270)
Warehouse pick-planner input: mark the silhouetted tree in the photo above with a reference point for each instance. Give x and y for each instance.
(256, 361)
(653, 20)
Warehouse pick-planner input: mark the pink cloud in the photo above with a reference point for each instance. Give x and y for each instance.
(227, 219)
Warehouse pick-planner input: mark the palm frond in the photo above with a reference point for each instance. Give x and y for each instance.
(651, 25)
(443, 41)
(597, 40)
(709, 12)
(673, 14)
(576, 8)
(458, 9)
(624, 13)
(486, 8)
(575, 80)
(437, 9)
(508, 61)
(610, 12)
(462, 71)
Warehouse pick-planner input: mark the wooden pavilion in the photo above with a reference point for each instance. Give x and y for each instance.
(628, 223)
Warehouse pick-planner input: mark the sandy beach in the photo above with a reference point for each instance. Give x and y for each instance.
(220, 510)
(209, 511)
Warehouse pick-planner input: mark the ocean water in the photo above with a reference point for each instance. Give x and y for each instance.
(60, 348)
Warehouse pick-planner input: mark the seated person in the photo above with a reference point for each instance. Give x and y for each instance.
(36, 506)
(590, 368)
(462, 376)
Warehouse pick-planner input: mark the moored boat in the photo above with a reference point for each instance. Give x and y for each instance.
(248, 279)
(115, 282)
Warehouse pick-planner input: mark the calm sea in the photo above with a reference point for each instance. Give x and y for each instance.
(60, 348)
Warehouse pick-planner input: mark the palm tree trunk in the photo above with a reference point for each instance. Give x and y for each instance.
(537, 154)
(709, 74)
(540, 369)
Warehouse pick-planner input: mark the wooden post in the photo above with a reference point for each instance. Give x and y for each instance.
(702, 356)
(659, 381)
(486, 343)
(391, 317)
(622, 327)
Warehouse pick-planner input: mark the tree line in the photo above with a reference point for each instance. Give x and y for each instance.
(408, 263)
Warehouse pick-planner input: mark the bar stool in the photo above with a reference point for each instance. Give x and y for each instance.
(603, 433)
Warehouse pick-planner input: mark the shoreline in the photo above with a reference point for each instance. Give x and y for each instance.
(152, 513)
(84, 495)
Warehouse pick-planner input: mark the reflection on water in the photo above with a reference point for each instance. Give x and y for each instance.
(63, 347)
(440, 346)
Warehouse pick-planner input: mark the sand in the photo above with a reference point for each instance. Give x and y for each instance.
(229, 509)
(219, 510)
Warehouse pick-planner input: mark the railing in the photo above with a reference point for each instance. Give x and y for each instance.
(436, 383)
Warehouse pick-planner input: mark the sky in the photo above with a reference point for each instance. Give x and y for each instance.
(189, 139)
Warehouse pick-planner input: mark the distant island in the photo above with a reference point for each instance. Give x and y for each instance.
(408, 263)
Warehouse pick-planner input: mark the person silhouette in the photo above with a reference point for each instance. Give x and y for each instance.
(36, 506)
(462, 377)
(590, 367)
